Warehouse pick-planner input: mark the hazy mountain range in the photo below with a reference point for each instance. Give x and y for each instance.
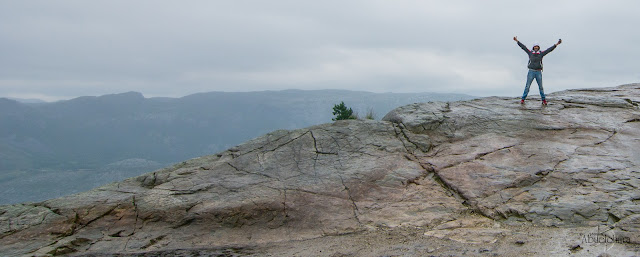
(52, 149)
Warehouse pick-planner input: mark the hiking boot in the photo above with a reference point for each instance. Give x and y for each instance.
(522, 101)
(544, 102)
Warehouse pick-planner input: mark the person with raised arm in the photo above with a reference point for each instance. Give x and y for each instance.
(535, 67)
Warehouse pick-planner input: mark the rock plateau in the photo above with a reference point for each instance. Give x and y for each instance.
(487, 177)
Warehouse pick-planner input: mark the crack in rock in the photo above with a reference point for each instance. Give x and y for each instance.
(439, 180)
(315, 145)
(135, 224)
(613, 133)
(248, 172)
(353, 202)
(268, 143)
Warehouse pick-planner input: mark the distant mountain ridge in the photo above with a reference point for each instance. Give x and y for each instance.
(86, 134)
(27, 100)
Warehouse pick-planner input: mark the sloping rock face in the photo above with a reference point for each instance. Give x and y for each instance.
(574, 162)
(471, 172)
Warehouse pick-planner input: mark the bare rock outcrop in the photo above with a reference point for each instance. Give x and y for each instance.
(574, 162)
(473, 172)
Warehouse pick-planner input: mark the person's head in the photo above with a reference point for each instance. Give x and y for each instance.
(536, 47)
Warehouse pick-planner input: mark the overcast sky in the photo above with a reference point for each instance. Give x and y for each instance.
(62, 49)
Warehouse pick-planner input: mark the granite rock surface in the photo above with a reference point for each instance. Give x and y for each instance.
(461, 174)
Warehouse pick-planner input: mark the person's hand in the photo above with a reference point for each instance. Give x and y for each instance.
(515, 39)
(559, 42)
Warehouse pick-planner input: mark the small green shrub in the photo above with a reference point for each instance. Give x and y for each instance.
(342, 112)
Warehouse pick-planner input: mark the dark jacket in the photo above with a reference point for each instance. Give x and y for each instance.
(535, 58)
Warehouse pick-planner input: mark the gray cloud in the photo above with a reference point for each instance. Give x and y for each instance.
(61, 49)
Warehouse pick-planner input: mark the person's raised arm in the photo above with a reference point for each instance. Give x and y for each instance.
(552, 47)
(521, 45)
